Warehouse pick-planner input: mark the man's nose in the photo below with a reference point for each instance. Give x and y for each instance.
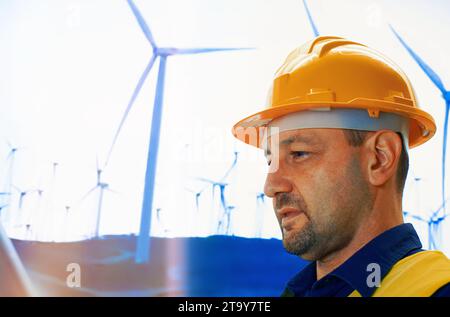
(276, 183)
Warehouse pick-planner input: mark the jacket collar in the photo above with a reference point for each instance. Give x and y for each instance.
(385, 250)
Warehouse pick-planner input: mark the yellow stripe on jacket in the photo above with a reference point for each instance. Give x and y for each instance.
(418, 275)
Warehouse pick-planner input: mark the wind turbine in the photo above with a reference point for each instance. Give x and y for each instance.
(23, 193)
(48, 213)
(102, 186)
(222, 185)
(143, 243)
(11, 158)
(34, 214)
(433, 76)
(198, 193)
(226, 218)
(197, 196)
(219, 183)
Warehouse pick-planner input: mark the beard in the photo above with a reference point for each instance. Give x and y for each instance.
(301, 242)
(331, 225)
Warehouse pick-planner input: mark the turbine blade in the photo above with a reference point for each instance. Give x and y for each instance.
(205, 180)
(189, 190)
(88, 193)
(130, 105)
(112, 190)
(427, 69)
(408, 214)
(231, 167)
(418, 218)
(185, 51)
(311, 21)
(140, 19)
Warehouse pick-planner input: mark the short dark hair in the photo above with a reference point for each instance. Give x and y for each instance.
(356, 138)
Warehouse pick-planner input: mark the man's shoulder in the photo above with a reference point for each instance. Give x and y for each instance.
(425, 273)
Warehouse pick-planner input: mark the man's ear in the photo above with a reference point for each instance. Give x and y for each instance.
(382, 150)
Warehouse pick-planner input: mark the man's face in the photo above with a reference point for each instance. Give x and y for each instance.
(319, 192)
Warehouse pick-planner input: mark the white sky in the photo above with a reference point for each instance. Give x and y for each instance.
(69, 69)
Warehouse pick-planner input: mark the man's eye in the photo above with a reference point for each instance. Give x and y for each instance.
(299, 154)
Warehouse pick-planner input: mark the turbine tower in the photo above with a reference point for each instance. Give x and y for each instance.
(9, 178)
(143, 243)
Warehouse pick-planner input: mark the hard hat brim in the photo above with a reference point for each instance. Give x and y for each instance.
(422, 125)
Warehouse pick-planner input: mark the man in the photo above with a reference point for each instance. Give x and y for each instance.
(336, 133)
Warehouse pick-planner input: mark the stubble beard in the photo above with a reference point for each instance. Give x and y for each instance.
(315, 241)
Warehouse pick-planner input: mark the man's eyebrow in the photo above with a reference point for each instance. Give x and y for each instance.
(293, 139)
(298, 139)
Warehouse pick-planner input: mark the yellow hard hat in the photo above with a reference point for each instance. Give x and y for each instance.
(334, 77)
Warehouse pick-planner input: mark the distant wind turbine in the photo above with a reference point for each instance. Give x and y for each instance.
(24, 216)
(226, 210)
(223, 202)
(433, 76)
(101, 186)
(11, 158)
(34, 213)
(225, 222)
(22, 194)
(143, 243)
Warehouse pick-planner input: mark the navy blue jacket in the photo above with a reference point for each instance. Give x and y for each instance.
(386, 249)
